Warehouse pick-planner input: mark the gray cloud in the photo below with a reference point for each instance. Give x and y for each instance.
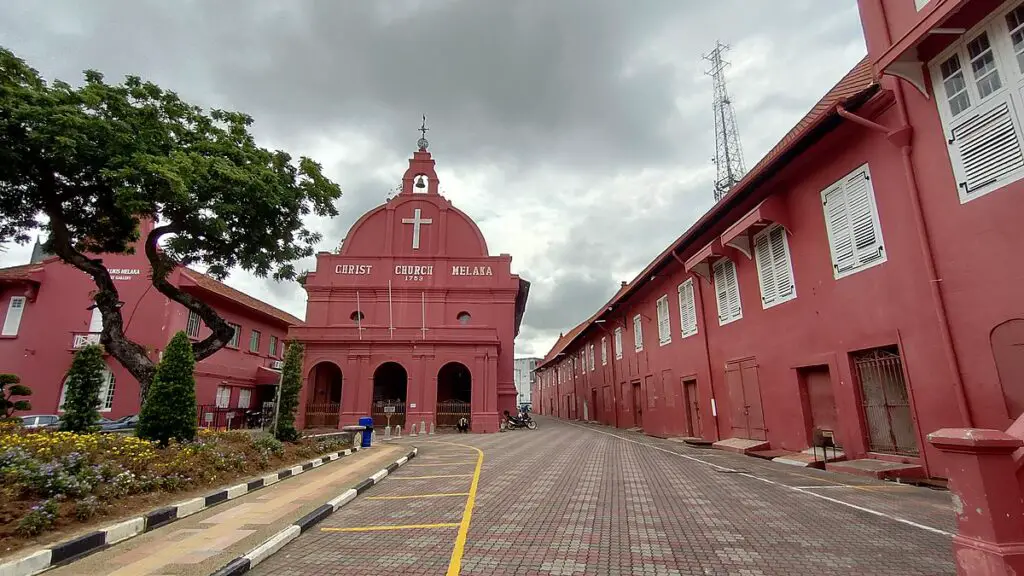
(578, 133)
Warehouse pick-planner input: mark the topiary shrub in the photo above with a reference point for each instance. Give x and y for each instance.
(82, 391)
(170, 407)
(11, 386)
(291, 384)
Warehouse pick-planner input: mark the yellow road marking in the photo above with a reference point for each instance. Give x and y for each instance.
(376, 528)
(440, 464)
(429, 477)
(455, 564)
(441, 495)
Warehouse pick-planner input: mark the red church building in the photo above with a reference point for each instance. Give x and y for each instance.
(48, 314)
(412, 321)
(861, 284)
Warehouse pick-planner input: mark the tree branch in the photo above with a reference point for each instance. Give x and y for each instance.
(221, 332)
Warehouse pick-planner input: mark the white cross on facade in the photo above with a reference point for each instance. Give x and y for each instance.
(416, 221)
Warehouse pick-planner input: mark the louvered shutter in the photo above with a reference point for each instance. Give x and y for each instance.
(721, 292)
(867, 246)
(687, 309)
(985, 145)
(781, 264)
(638, 335)
(765, 268)
(734, 290)
(664, 325)
(838, 223)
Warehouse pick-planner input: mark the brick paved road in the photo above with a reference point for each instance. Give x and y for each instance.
(572, 499)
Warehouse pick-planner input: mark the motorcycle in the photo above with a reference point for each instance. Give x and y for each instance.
(521, 420)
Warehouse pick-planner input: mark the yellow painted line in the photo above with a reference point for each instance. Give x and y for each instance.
(439, 464)
(441, 495)
(455, 564)
(377, 528)
(430, 477)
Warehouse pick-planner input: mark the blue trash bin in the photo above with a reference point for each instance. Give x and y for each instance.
(368, 423)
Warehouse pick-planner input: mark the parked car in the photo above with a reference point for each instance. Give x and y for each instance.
(123, 423)
(37, 421)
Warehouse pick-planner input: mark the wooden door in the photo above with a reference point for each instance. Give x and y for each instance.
(625, 407)
(597, 414)
(821, 400)
(737, 405)
(638, 405)
(692, 401)
(752, 396)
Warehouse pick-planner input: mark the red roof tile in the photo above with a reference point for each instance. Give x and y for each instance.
(212, 285)
(19, 272)
(857, 81)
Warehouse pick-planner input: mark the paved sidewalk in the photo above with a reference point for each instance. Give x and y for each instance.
(570, 499)
(203, 542)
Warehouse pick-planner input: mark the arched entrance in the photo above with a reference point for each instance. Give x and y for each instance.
(323, 405)
(1007, 342)
(454, 394)
(390, 387)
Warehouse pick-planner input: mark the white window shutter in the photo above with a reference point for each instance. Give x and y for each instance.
(985, 145)
(721, 292)
(782, 265)
(618, 342)
(838, 224)
(867, 246)
(687, 309)
(734, 289)
(12, 322)
(664, 321)
(638, 334)
(96, 321)
(765, 268)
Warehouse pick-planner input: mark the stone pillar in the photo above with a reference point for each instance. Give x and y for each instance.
(987, 499)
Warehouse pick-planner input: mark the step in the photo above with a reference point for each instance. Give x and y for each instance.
(880, 469)
(827, 454)
(691, 441)
(740, 445)
(769, 454)
(800, 459)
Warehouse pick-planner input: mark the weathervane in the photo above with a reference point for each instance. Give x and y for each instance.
(423, 143)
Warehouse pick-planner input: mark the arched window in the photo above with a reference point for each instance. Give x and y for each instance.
(463, 317)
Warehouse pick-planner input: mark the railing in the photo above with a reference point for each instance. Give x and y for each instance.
(382, 410)
(83, 339)
(450, 411)
(218, 418)
(323, 414)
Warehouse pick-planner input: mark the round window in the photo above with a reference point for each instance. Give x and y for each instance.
(463, 317)
(357, 316)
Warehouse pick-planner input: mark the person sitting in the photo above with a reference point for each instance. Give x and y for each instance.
(463, 425)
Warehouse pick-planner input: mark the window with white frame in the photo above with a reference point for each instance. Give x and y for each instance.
(727, 292)
(604, 351)
(851, 221)
(235, 337)
(244, 398)
(105, 394)
(921, 3)
(664, 321)
(617, 344)
(687, 309)
(273, 346)
(254, 341)
(638, 333)
(774, 266)
(223, 396)
(192, 327)
(12, 321)
(978, 82)
(591, 347)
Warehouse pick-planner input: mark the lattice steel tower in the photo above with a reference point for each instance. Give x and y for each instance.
(728, 152)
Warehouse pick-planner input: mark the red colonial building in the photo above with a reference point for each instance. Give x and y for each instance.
(48, 314)
(412, 320)
(859, 284)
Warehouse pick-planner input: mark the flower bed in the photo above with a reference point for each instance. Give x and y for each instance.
(56, 481)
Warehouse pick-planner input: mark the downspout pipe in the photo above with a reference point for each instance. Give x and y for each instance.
(707, 348)
(902, 138)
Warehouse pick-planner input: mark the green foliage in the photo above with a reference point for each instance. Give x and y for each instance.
(11, 386)
(291, 384)
(82, 395)
(170, 409)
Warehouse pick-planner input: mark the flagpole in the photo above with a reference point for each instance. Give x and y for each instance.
(423, 312)
(359, 316)
(391, 315)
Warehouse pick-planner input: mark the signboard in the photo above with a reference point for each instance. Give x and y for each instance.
(389, 409)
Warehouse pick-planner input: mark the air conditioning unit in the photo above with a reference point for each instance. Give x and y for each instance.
(277, 365)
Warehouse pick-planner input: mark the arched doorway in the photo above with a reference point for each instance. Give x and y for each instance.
(323, 405)
(454, 394)
(1007, 342)
(390, 387)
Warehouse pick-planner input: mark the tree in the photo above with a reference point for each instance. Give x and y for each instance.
(291, 384)
(98, 159)
(82, 390)
(170, 410)
(11, 386)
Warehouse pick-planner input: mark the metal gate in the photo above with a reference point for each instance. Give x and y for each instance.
(449, 412)
(384, 408)
(885, 402)
(322, 414)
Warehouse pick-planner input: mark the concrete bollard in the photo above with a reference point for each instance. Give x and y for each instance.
(423, 427)
(398, 431)
(431, 427)
(412, 431)
(387, 432)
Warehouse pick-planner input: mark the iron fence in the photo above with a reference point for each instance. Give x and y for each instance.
(323, 414)
(885, 402)
(450, 411)
(382, 409)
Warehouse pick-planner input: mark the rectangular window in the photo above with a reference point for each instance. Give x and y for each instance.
(851, 221)
(15, 308)
(774, 266)
(978, 82)
(192, 328)
(727, 292)
(238, 333)
(618, 343)
(687, 309)
(244, 398)
(638, 333)
(591, 357)
(273, 346)
(664, 321)
(223, 396)
(105, 394)
(604, 351)
(254, 341)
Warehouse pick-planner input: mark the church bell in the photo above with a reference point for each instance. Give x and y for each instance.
(420, 182)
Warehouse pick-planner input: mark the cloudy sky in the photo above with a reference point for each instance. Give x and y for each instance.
(577, 133)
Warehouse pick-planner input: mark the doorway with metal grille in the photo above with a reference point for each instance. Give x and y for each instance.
(885, 401)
